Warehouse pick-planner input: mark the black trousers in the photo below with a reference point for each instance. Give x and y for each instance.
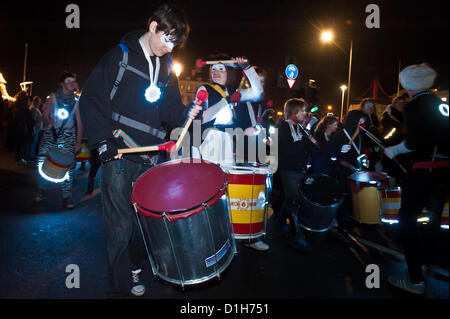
(124, 241)
(421, 189)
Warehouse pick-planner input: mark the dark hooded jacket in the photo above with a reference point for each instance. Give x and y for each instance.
(96, 107)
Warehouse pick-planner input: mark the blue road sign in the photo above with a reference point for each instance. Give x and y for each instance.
(291, 72)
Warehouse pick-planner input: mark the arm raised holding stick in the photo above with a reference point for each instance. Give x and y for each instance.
(171, 146)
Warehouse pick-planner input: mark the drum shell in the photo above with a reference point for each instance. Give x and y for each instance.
(314, 216)
(366, 197)
(182, 210)
(180, 248)
(248, 194)
(391, 203)
(57, 163)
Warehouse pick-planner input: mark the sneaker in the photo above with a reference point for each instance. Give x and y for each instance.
(68, 202)
(138, 289)
(406, 284)
(258, 245)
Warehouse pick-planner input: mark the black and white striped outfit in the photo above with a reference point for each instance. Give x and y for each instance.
(65, 141)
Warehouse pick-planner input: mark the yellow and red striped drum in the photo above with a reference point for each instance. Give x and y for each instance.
(56, 165)
(391, 201)
(248, 195)
(85, 154)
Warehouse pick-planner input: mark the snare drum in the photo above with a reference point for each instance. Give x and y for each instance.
(182, 212)
(365, 196)
(391, 202)
(322, 197)
(56, 165)
(248, 195)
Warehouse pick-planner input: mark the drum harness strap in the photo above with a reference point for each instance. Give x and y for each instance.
(123, 66)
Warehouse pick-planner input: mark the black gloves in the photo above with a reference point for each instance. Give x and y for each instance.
(107, 149)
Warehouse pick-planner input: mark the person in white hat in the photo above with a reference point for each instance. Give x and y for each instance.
(426, 182)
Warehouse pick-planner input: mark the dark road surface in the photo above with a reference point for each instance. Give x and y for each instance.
(39, 241)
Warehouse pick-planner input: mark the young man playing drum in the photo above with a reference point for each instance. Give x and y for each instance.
(123, 106)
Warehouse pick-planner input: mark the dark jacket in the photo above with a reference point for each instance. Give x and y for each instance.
(392, 118)
(96, 107)
(293, 156)
(427, 126)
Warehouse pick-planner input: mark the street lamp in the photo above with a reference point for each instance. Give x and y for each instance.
(343, 88)
(177, 68)
(327, 36)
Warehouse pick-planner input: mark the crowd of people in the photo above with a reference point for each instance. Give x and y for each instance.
(116, 111)
(20, 125)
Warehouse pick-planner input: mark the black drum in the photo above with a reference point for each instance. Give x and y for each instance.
(321, 197)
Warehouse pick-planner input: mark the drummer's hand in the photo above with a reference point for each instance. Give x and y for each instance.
(244, 65)
(118, 156)
(193, 112)
(312, 139)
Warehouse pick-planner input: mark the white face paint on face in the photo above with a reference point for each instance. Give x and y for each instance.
(219, 74)
(165, 39)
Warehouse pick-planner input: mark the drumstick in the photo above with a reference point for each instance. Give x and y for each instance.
(201, 97)
(168, 146)
(378, 142)
(200, 63)
(354, 136)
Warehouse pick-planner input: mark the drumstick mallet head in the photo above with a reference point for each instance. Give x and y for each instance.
(201, 97)
(200, 63)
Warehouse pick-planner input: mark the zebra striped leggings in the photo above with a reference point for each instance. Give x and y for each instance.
(66, 141)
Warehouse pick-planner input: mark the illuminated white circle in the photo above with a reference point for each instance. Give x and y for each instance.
(62, 114)
(153, 93)
(443, 108)
(51, 179)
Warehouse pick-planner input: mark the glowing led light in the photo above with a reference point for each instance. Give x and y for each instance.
(258, 129)
(389, 221)
(444, 109)
(62, 113)
(444, 226)
(271, 130)
(423, 219)
(333, 158)
(444, 99)
(51, 179)
(152, 94)
(390, 133)
(372, 182)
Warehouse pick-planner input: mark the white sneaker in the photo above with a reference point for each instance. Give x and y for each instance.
(138, 289)
(406, 284)
(258, 245)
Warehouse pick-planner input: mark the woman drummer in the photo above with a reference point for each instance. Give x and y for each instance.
(294, 149)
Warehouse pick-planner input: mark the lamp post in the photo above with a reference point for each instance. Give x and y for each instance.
(327, 36)
(343, 88)
(349, 73)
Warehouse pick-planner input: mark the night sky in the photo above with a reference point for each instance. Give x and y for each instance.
(266, 32)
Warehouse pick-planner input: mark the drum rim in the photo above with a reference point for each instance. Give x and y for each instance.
(317, 204)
